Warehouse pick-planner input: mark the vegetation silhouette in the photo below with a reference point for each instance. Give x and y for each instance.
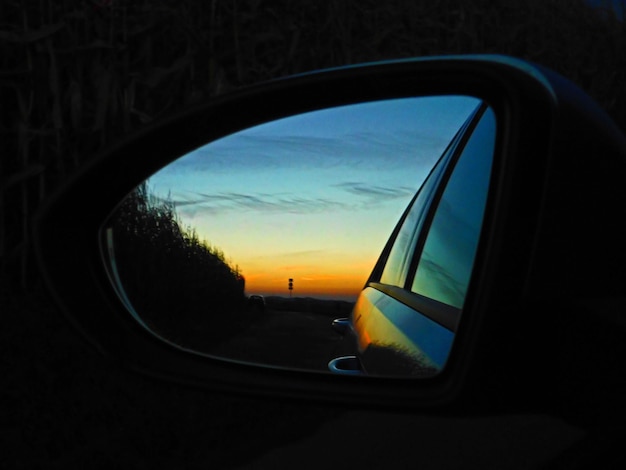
(179, 285)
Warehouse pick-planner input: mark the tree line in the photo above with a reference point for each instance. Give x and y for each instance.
(182, 287)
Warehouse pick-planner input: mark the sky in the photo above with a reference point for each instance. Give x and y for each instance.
(312, 197)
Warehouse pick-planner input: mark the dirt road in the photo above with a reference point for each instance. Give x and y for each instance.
(292, 339)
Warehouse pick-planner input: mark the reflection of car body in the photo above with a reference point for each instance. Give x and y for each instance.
(406, 316)
(257, 302)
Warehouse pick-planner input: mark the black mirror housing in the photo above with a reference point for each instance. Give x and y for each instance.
(548, 262)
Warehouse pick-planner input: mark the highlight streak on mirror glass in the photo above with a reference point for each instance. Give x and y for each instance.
(312, 197)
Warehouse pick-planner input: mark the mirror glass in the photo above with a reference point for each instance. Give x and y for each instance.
(255, 247)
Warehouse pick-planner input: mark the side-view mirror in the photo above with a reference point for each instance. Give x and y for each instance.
(422, 233)
(287, 219)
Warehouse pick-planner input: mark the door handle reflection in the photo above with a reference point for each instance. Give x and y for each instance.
(346, 365)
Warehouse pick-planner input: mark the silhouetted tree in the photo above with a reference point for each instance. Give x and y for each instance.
(178, 284)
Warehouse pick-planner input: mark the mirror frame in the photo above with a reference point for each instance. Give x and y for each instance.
(525, 99)
(455, 141)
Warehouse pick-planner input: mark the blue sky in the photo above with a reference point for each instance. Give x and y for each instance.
(312, 197)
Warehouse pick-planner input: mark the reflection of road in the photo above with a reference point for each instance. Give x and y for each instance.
(289, 339)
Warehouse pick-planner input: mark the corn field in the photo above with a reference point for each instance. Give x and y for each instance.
(77, 75)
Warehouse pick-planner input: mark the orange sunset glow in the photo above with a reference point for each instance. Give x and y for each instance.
(328, 280)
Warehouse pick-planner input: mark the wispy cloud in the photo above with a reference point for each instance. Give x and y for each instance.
(354, 196)
(257, 202)
(376, 193)
(247, 152)
(300, 254)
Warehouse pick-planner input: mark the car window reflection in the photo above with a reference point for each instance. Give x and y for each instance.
(398, 263)
(444, 269)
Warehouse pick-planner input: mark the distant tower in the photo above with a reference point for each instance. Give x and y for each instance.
(290, 286)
